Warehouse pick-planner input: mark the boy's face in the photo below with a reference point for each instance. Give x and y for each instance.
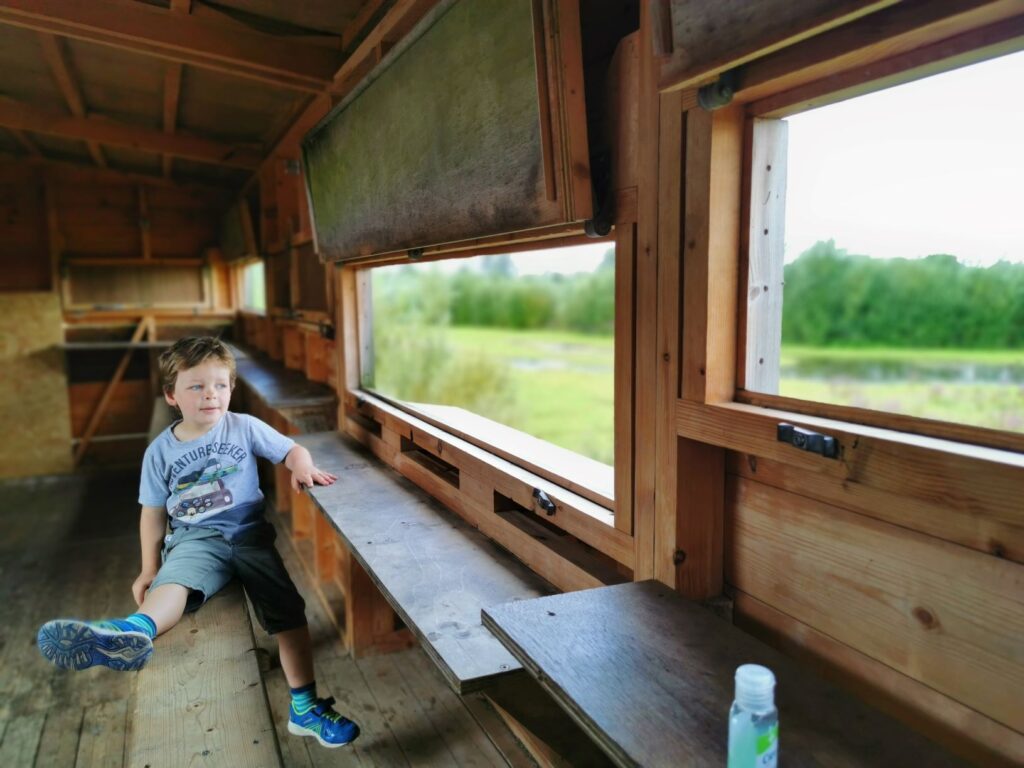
(202, 393)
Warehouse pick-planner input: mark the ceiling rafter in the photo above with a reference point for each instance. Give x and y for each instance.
(26, 143)
(76, 173)
(396, 22)
(26, 117)
(182, 37)
(172, 93)
(172, 88)
(60, 67)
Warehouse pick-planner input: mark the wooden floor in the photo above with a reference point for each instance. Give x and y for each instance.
(69, 547)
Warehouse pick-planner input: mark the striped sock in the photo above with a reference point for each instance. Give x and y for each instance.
(304, 698)
(137, 622)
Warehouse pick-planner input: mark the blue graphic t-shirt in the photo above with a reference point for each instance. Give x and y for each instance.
(212, 481)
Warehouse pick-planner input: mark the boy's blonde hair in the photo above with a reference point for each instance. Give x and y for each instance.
(189, 352)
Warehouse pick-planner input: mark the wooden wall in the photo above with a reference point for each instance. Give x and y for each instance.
(93, 250)
(897, 568)
(24, 254)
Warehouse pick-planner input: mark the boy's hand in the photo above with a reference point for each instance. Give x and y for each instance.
(304, 473)
(306, 477)
(141, 584)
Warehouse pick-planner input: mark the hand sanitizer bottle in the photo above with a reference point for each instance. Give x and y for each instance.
(753, 720)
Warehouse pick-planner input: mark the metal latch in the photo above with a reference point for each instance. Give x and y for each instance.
(806, 440)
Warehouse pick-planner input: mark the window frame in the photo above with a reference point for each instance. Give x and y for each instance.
(608, 524)
(969, 47)
(562, 477)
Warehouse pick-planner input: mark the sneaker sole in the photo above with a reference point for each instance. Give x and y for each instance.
(72, 644)
(298, 730)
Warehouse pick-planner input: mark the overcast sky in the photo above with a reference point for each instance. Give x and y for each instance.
(933, 166)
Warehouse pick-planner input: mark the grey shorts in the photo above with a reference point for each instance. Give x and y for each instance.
(202, 560)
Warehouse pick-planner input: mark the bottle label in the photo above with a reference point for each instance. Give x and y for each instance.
(768, 747)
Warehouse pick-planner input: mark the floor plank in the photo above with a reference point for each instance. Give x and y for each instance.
(57, 560)
(61, 734)
(419, 740)
(103, 735)
(21, 740)
(466, 741)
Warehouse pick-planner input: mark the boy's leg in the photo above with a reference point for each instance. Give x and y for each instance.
(165, 605)
(280, 610)
(195, 567)
(296, 650)
(122, 644)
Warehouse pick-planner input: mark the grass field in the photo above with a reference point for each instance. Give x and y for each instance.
(559, 386)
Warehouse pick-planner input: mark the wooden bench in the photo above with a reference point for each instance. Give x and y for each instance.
(287, 401)
(200, 700)
(649, 676)
(434, 569)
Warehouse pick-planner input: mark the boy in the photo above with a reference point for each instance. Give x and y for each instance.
(201, 472)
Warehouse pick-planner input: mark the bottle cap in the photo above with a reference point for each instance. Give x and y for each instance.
(755, 687)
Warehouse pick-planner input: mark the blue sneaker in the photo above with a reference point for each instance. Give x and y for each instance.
(322, 722)
(73, 644)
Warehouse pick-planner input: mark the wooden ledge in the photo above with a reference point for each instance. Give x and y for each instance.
(649, 675)
(435, 570)
(277, 386)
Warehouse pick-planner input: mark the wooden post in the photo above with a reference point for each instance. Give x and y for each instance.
(758, 356)
(324, 553)
(303, 512)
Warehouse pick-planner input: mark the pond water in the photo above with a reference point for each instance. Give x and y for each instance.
(889, 370)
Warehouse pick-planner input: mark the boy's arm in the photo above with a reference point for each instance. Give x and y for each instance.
(304, 473)
(152, 526)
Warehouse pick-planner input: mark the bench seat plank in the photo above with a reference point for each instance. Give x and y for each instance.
(435, 570)
(649, 676)
(277, 386)
(200, 700)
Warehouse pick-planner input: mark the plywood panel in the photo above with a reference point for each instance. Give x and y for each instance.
(33, 396)
(942, 614)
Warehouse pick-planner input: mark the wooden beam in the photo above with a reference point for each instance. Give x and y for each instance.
(402, 16)
(399, 19)
(646, 290)
(144, 235)
(172, 93)
(108, 393)
(76, 173)
(26, 143)
(671, 141)
(21, 116)
(895, 30)
(710, 37)
(362, 19)
(154, 31)
(60, 66)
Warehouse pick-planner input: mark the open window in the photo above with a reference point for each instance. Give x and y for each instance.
(253, 288)
(885, 272)
(514, 352)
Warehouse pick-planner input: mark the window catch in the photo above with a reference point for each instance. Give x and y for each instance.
(544, 501)
(806, 440)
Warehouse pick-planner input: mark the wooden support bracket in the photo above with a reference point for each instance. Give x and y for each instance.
(97, 416)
